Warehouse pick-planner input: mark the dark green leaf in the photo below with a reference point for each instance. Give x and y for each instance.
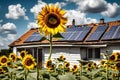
(43, 38)
(58, 35)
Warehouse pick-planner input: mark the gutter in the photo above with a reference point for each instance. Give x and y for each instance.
(59, 45)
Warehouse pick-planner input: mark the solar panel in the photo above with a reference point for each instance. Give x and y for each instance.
(113, 33)
(76, 33)
(34, 37)
(96, 35)
(66, 35)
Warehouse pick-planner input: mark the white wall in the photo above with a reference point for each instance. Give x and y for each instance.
(110, 49)
(71, 54)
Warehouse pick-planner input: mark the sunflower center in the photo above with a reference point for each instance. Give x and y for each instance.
(75, 67)
(52, 20)
(13, 57)
(0, 70)
(22, 55)
(4, 60)
(29, 62)
(118, 65)
(112, 57)
(67, 65)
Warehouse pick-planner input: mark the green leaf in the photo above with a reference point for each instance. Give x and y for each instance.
(67, 76)
(98, 78)
(32, 76)
(43, 38)
(58, 35)
(83, 78)
(52, 78)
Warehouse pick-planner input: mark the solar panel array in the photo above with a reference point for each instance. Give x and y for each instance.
(113, 33)
(76, 33)
(80, 33)
(34, 37)
(97, 34)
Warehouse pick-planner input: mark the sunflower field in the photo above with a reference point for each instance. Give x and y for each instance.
(51, 22)
(24, 67)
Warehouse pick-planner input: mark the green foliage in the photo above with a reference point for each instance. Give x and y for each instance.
(58, 70)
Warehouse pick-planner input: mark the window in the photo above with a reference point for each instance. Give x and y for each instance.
(35, 52)
(93, 53)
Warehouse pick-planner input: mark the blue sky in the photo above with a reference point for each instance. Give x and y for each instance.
(18, 16)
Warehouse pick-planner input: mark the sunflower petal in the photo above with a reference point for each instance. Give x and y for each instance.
(57, 8)
(62, 12)
(51, 8)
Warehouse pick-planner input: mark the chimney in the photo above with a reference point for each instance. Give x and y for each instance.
(102, 21)
(73, 22)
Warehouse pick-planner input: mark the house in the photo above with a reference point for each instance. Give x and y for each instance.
(80, 42)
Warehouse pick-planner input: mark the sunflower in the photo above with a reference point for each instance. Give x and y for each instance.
(8, 64)
(75, 68)
(23, 53)
(62, 58)
(3, 60)
(51, 20)
(2, 71)
(48, 63)
(113, 57)
(13, 57)
(118, 66)
(118, 56)
(88, 68)
(94, 65)
(60, 66)
(102, 62)
(67, 64)
(28, 62)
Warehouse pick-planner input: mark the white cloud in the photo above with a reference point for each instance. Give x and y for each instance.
(98, 6)
(1, 44)
(16, 11)
(80, 18)
(90, 6)
(61, 4)
(32, 25)
(9, 26)
(37, 8)
(7, 33)
(11, 36)
(113, 10)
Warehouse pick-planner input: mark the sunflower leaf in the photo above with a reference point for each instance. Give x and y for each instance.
(58, 35)
(43, 38)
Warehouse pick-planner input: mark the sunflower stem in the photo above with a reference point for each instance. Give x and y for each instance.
(107, 71)
(50, 47)
(37, 72)
(26, 73)
(11, 76)
(118, 75)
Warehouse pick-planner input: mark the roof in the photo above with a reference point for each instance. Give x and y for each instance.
(94, 33)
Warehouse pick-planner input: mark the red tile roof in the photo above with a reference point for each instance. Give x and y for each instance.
(23, 38)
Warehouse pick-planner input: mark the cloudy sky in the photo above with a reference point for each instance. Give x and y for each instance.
(18, 16)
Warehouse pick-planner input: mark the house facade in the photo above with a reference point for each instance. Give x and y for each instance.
(79, 42)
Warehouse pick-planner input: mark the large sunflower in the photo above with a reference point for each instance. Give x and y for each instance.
(13, 57)
(28, 62)
(3, 60)
(51, 20)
